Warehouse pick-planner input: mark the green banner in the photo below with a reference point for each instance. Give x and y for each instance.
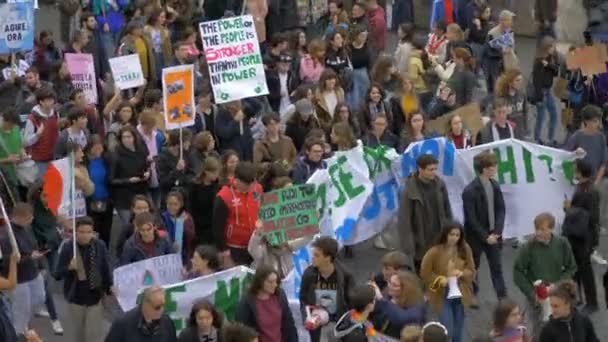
(289, 213)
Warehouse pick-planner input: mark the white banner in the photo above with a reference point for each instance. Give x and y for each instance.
(533, 179)
(126, 71)
(131, 278)
(234, 59)
(224, 289)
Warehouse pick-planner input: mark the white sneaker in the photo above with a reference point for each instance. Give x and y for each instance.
(598, 259)
(57, 328)
(42, 313)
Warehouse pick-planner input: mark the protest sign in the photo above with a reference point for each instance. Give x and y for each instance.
(233, 55)
(357, 199)
(82, 72)
(126, 71)
(17, 24)
(590, 59)
(470, 115)
(131, 278)
(289, 213)
(224, 289)
(178, 96)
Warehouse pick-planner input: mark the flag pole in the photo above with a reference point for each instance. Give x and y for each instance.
(72, 199)
(11, 234)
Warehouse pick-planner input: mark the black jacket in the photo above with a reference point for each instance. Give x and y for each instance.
(28, 268)
(581, 222)
(168, 175)
(297, 130)
(274, 87)
(246, 314)
(577, 328)
(130, 328)
(307, 289)
(201, 200)
(230, 137)
(475, 204)
(125, 164)
(76, 291)
(190, 334)
(542, 76)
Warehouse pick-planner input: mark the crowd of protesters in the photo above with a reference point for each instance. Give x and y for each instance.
(333, 82)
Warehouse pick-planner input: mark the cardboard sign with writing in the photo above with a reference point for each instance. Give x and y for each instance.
(178, 96)
(289, 213)
(590, 59)
(82, 71)
(233, 55)
(471, 120)
(126, 71)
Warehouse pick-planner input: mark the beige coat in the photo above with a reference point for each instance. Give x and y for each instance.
(435, 264)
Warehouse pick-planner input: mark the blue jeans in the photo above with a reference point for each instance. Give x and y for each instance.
(359, 90)
(547, 102)
(452, 316)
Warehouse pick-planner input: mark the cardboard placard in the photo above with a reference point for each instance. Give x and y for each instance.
(471, 120)
(590, 59)
(178, 96)
(289, 213)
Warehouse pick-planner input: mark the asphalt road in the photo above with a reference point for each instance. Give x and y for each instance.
(366, 258)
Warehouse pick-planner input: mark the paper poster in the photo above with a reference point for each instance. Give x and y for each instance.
(17, 27)
(130, 279)
(233, 55)
(82, 71)
(178, 96)
(126, 71)
(471, 120)
(289, 213)
(590, 59)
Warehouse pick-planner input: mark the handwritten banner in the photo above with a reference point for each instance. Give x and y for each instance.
(82, 72)
(590, 59)
(126, 71)
(178, 96)
(289, 214)
(131, 278)
(17, 27)
(233, 54)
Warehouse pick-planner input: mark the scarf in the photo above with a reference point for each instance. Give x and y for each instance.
(375, 109)
(93, 276)
(434, 43)
(496, 136)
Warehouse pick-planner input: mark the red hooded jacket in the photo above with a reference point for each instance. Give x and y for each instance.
(235, 214)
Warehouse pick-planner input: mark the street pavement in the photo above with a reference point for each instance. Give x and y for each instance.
(366, 258)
